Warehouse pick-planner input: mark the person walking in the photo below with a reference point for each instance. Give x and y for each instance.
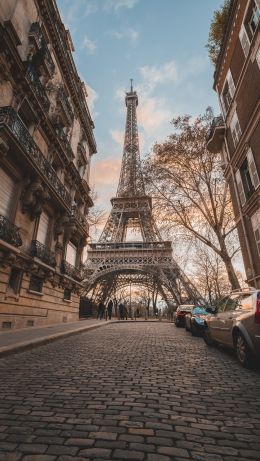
(110, 309)
(121, 309)
(101, 310)
(125, 313)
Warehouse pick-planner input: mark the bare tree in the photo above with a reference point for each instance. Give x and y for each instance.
(96, 215)
(189, 190)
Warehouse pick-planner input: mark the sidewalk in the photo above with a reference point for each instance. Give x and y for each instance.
(28, 338)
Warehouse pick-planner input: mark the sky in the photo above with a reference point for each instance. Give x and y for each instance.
(158, 43)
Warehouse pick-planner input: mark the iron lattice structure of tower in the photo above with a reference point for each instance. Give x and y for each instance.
(114, 260)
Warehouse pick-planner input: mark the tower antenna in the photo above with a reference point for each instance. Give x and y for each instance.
(131, 80)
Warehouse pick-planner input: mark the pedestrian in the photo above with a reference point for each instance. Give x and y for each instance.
(101, 310)
(121, 309)
(125, 313)
(110, 309)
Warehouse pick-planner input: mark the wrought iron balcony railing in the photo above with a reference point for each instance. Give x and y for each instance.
(75, 213)
(67, 269)
(9, 232)
(37, 87)
(64, 141)
(10, 118)
(43, 253)
(63, 99)
(43, 54)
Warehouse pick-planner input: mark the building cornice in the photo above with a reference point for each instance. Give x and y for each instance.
(59, 39)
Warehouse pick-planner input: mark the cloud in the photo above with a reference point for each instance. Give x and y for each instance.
(118, 136)
(132, 34)
(152, 114)
(153, 75)
(106, 172)
(89, 45)
(117, 4)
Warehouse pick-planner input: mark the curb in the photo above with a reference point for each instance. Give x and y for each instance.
(26, 345)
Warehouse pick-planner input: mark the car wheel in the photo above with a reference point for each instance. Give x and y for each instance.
(192, 329)
(243, 352)
(208, 339)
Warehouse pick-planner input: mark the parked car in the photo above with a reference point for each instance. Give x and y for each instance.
(195, 320)
(236, 324)
(182, 310)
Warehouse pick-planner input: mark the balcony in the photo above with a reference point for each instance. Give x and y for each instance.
(9, 232)
(43, 253)
(62, 138)
(37, 87)
(71, 271)
(64, 108)
(10, 119)
(42, 56)
(76, 214)
(216, 134)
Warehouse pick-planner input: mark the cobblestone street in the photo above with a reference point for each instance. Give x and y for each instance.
(130, 391)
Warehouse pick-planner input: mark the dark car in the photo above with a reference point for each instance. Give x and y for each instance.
(181, 312)
(236, 324)
(195, 320)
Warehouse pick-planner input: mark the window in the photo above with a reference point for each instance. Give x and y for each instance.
(255, 220)
(67, 294)
(30, 323)
(36, 283)
(252, 168)
(43, 228)
(7, 325)
(7, 193)
(244, 40)
(249, 27)
(253, 17)
(14, 282)
(235, 129)
(71, 254)
(246, 179)
(228, 92)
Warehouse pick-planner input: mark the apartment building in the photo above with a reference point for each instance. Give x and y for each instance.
(46, 145)
(236, 133)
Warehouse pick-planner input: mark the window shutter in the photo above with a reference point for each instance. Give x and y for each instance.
(7, 193)
(231, 84)
(252, 169)
(245, 43)
(71, 254)
(43, 228)
(240, 188)
(258, 57)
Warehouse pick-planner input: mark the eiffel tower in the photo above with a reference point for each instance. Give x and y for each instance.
(114, 261)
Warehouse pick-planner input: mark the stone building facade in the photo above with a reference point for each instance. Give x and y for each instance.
(237, 131)
(46, 144)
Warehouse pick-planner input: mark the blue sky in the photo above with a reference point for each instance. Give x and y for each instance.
(158, 43)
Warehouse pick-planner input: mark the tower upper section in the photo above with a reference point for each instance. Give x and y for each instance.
(131, 181)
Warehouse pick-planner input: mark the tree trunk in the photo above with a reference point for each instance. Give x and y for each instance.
(231, 273)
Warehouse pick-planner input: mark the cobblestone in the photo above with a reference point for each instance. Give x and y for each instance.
(147, 392)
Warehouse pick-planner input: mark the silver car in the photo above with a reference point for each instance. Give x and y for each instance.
(236, 324)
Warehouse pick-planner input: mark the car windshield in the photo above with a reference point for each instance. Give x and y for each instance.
(200, 310)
